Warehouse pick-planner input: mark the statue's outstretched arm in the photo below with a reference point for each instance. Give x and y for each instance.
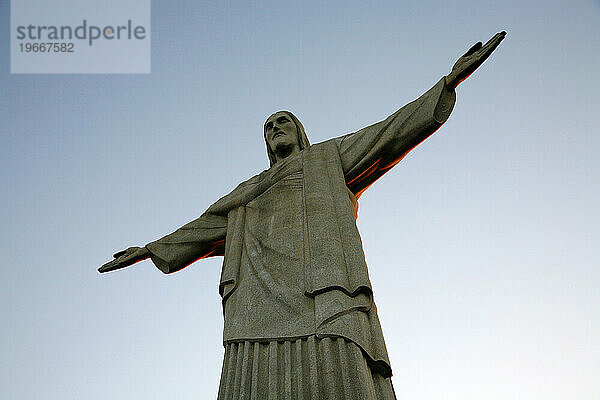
(201, 238)
(372, 151)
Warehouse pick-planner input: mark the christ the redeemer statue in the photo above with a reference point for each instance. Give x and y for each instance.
(299, 317)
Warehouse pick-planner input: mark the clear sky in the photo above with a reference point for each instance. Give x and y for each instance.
(482, 244)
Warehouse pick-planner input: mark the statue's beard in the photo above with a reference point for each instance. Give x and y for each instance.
(282, 150)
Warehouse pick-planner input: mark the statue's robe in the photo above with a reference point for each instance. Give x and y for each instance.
(294, 284)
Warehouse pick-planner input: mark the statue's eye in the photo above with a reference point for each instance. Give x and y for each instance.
(282, 120)
(269, 125)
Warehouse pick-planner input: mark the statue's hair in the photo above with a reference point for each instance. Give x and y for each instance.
(302, 138)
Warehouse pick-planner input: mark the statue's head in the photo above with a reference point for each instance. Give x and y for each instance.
(284, 136)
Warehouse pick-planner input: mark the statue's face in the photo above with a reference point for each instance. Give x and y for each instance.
(281, 134)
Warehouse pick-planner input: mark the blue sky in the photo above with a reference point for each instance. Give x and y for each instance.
(481, 244)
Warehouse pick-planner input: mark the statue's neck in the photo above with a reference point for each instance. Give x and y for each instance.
(284, 152)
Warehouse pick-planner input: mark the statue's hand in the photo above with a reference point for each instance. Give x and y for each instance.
(472, 59)
(125, 258)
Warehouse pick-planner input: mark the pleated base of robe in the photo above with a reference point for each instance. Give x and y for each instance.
(309, 368)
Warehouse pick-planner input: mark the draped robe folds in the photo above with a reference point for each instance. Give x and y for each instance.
(330, 294)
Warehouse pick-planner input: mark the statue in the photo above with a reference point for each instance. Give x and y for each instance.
(299, 317)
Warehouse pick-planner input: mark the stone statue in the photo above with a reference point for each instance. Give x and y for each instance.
(299, 317)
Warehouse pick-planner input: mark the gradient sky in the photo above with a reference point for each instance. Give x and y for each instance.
(482, 244)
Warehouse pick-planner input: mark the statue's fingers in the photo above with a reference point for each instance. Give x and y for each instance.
(486, 51)
(473, 49)
(491, 44)
(109, 266)
(117, 264)
(119, 253)
(497, 36)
